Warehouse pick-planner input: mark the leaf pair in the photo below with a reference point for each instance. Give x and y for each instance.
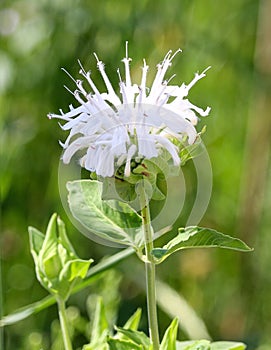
(152, 171)
(101, 337)
(117, 222)
(128, 337)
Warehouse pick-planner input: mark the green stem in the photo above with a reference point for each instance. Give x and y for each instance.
(149, 269)
(64, 324)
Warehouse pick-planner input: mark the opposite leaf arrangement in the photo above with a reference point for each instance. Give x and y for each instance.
(131, 146)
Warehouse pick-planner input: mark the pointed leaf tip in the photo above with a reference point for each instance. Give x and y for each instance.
(36, 239)
(133, 321)
(111, 220)
(169, 339)
(199, 237)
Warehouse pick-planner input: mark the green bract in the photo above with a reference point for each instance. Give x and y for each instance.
(152, 171)
(57, 265)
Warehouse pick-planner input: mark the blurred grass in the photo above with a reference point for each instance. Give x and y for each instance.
(37, 38)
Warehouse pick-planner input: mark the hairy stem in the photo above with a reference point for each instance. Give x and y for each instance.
(149, 269)
(64, 324)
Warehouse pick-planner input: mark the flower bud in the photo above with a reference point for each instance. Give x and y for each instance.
(58, 267)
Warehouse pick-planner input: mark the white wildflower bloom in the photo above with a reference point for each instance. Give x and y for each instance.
(112, 129)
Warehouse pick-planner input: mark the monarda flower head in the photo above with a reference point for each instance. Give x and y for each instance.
(112, 129)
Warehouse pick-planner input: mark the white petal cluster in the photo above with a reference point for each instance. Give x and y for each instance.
(111, 129)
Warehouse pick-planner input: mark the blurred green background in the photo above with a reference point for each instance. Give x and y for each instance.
(230, 291)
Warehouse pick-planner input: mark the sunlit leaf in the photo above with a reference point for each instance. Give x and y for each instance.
(169, 339)
(227, 345)
(137, 337)
(118, 189)
(63, 238)
(193, 345)
(199, 237)
(36, 239)
(91, 347)
(121, 344)
(74, 269)
(112, 220)
(133, 321)
(99, 327)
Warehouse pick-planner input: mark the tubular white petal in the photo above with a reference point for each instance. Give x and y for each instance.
(74, 122)
(80, 143)
(145, 69)
(105, 163)
(177, 124)
(73, 132)
(106, 80)
(147, 147)
(130, 154)
(126, 61)
(158, 81)
(119, 140)
(121, 159)
(89, 163)
(170, 147)
(197, 78)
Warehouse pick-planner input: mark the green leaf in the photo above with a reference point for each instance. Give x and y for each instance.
(198, 237)
(133, 321)
(137, 337)
(206, 345)
(169, 339)
(227, 345)
(91, 347)
(112, 220)
(63, 238)
(118, 189)
(36, 239)
(74, 269)
(49, 246)
(121, 344)
(193, 345)
(152, 171)
(48, 257)
(100, 324)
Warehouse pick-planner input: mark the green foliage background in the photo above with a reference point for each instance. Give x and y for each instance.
(231, 291)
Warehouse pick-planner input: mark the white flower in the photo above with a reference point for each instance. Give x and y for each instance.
(111, 131)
